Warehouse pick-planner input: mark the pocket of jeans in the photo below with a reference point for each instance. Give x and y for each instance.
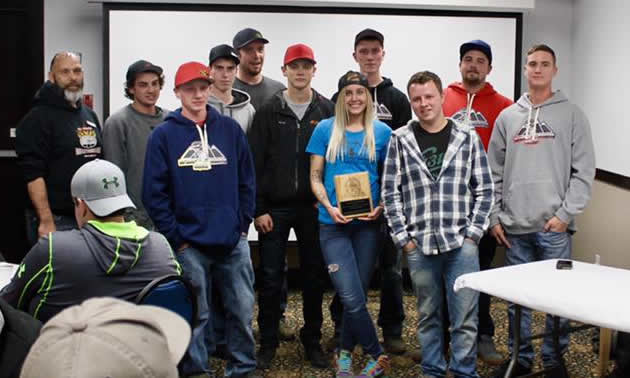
(470, 247)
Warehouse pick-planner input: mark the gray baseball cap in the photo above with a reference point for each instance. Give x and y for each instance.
(102, 186)
(109, 337)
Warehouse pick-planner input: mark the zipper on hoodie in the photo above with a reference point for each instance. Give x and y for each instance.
(297, 153)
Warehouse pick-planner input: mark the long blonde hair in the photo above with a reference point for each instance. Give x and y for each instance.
(337, 144)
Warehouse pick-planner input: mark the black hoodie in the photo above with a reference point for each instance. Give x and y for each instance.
(392, 105)
(278, 141)
(53, 140)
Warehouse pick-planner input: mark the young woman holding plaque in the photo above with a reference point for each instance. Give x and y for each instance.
(352, 141)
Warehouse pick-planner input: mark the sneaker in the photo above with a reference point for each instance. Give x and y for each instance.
(331, 344)
(265, 357)
(487, 352)
(344, 364)
(316, 357)
(557, 371)
(415, 354)
(394, 345)
(518, 370)
(254, 374)
(376, 368)
(285, 331)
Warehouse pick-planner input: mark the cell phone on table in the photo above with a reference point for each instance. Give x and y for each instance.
(564, 264)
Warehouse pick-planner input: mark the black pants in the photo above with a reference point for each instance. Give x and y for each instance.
(487, 250)
(303, 219)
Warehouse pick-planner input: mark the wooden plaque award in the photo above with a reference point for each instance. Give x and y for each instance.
(354, 195)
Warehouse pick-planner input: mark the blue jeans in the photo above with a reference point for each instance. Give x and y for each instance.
(535, 247)
(62, 223)
(391, 313)
(234, 271)
(429, 275)
(350, 252)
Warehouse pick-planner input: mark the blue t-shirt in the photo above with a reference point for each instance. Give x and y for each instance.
(355, 159)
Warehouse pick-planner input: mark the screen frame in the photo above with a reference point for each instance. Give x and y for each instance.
(107, 7)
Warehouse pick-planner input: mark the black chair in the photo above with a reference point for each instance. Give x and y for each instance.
(172, 292)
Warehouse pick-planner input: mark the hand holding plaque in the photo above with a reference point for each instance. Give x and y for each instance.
(354, 195)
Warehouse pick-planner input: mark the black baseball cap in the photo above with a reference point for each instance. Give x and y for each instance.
(140, 67)
(476, 44)
(223, 51)
(368, 34)
(352, 77)
(247, 36)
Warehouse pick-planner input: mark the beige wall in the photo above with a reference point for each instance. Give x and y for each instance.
(604, 228)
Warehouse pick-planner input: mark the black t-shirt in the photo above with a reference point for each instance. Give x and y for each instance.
(433, 145)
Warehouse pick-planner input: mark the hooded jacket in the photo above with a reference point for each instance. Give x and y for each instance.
(278, 141)
(53, 140)
(207, 206)
(391, 105)
(479, 110)
(101, 259)
(543, 164)
(241, 110)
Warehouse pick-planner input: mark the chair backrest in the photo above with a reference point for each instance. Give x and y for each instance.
(172, 292)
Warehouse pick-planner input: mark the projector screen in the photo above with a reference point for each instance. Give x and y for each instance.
(169, 35)
(415, 40)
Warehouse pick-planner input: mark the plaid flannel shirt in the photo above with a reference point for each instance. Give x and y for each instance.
(437, 213)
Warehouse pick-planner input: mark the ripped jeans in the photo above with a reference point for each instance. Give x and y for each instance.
(350, 252)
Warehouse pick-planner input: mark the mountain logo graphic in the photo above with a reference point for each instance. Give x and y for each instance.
(476, 118)
(536, 133)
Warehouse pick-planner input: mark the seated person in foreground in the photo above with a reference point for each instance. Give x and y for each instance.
(105, 257)
(18, 332)
(107, 337)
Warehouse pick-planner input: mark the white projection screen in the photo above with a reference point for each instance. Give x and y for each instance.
(415, 40)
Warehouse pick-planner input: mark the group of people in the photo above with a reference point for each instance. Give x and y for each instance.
(473, 169)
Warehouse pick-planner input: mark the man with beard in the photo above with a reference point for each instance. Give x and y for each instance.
(475, 102)
(250, 45)
(56, 137)
(126, 132)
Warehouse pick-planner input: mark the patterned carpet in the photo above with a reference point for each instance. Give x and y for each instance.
(289, 363)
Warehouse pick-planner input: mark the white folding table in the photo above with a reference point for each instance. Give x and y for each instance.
(588, 293)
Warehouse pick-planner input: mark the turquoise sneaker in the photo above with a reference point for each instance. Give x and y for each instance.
(344, 364)
(376, 368)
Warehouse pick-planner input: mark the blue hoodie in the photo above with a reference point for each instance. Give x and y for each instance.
(206, 208)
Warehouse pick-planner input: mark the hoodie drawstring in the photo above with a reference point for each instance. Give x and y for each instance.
(470, 97)
(530, 131)
(203, 137)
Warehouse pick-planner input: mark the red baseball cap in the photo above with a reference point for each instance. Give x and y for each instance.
(190, 71)
(298, 51)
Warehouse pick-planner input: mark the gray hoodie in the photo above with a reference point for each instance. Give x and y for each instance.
(543, 164)
(240, 109)
(125, 143)
(101, 259)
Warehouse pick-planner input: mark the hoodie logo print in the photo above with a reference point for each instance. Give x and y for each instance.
(88, 141)
(194, 153)
(476, 119)
(113, 181)
(532, 134)
(382, 113)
